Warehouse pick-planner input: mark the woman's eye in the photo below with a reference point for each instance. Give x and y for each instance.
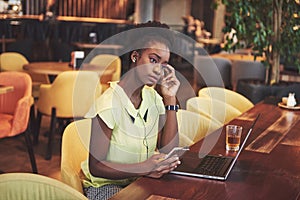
(153, 60)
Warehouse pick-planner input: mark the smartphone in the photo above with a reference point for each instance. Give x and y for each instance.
(165, 70)
(179, 151)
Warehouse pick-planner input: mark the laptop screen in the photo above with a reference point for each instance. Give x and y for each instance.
(211, 166)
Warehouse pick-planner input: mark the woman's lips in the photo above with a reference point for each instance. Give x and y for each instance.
(153, 79)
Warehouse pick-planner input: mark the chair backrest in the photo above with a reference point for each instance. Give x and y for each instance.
(22, 46)
(75, 149)
(227, 96)
(211, 72)
(61, 51)
(245, 69)
(192, 127)
(224, 66)
(15, 105)
(184, 46)
(72, 93)
(19, 186)
(213, 109)
(12, 61)
(110, 61)
(22, 87)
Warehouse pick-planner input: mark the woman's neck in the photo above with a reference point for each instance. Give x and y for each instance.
(132, 88)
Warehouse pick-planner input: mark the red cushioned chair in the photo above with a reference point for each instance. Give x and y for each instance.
(15, 109)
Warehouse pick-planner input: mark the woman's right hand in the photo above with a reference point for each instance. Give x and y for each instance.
(158, 165)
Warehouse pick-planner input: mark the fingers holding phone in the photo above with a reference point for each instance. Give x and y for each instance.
(162, 165)
(169, 81)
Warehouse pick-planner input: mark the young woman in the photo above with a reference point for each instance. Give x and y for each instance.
(132, 125)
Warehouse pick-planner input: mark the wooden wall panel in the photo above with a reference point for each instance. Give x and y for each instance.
(111, 9)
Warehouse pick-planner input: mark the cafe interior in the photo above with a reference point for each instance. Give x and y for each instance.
(58, 57)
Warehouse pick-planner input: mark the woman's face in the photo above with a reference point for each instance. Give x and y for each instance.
(149, 63)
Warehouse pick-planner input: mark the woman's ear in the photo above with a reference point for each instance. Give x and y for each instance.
(134, 56)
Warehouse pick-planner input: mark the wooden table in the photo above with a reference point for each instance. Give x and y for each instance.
(49, 68)
(209, 41)
(268, 168)
(55, 68)
(114, 48)
(234, 56)
(4, 41)
(5, 89)
(289, 76)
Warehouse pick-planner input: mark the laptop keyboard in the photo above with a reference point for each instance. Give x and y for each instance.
(214, 165)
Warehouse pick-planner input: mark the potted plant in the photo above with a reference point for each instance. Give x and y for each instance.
(270, 27)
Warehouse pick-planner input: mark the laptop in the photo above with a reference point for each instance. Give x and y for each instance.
(211, 166)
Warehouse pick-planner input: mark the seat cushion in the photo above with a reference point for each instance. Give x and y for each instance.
(5, 124)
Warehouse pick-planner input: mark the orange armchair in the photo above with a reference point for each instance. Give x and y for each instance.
(15, 109)
(14, 61)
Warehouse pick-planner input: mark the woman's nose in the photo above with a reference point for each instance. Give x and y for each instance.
(157, 69)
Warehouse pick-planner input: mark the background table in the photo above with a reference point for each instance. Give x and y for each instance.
(98, 48)
(267, 169)
(4, 41)
(5, 89)
(235, 56)
(55, 68)
(49, 68)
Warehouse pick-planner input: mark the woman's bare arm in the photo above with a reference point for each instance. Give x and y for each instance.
(100, 167)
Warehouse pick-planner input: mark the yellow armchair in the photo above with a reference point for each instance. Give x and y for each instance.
(192, 127)
(14, 61)
(19, 186)
(111, 62)
(227, 96)
(70, 96)
(214, 109)
(75, 149)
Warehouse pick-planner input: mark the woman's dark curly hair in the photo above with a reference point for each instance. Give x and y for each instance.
(147, 33)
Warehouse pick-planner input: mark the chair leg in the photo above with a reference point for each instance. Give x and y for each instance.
(51, 134)
(32, 122)
(30, 152)
(37, 127)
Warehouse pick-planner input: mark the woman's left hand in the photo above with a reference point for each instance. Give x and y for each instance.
(169, 82)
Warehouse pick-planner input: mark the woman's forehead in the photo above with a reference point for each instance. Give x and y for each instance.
(159, 49)
(157, 45)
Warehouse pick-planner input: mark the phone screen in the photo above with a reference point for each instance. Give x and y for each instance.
(165, 70)
(179, 151)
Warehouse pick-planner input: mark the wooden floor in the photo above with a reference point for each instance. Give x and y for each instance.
(13, 151)
(14, 156)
